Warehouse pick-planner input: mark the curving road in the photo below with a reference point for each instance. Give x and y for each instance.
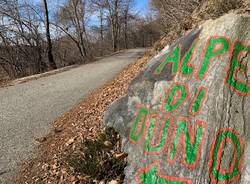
(27, 109)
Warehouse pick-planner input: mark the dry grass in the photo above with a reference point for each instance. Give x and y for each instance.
(209, 9)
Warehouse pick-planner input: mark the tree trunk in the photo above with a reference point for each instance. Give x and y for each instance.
(101, 29)
(113, 17)
(80, 28)
(126, 31)
(126, 14)
(52, 63)
(115, 45)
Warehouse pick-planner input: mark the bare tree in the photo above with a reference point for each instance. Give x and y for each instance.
(27, 46)
(172, 12)
(117, 13)
(126, 15)
(72, 18)
(47, 25)
(20, 40)
(113, 9)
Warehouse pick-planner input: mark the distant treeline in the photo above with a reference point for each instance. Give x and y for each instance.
(37, 37)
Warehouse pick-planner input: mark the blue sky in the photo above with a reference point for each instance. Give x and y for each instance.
(141, 5)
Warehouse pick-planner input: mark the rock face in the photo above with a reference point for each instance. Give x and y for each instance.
(186, 118)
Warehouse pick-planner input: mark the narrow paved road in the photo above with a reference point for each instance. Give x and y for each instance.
(27, 109)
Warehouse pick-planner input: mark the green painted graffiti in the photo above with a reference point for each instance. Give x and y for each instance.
(173, 57)
(196, 105)
(235, 66)
(182, 89)
(152, 176)
(135, 134)
(191, 144)
(186, 69)
(210, 52)
(221, 175)
(161, 136)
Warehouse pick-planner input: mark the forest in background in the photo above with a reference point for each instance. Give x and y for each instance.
(35, 38)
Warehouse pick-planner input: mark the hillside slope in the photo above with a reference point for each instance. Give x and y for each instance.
(72, 133)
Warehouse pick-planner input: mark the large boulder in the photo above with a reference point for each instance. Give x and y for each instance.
(186, 118)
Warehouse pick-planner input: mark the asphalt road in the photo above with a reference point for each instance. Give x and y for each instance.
(27, 109)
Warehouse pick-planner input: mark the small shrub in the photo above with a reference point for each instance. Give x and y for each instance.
(97, 160)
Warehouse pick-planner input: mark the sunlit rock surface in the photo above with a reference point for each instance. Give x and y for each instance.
(186, 118)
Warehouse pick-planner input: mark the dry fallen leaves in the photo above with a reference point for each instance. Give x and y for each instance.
(120, 155)
(80, 123)
(113, 182)
(108, 144)
(70, 141)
